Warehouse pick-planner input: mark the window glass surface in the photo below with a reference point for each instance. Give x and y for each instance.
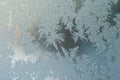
(59, 39)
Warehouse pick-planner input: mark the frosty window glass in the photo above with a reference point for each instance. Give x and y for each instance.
(59, 39)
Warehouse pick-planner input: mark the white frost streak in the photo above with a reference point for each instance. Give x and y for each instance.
(20, 55)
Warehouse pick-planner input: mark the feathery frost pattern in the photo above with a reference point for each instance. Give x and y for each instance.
(59, 39)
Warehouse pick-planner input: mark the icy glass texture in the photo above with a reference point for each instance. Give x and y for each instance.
(59, 39)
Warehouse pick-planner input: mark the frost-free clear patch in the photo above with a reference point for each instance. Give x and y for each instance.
(59, 40)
